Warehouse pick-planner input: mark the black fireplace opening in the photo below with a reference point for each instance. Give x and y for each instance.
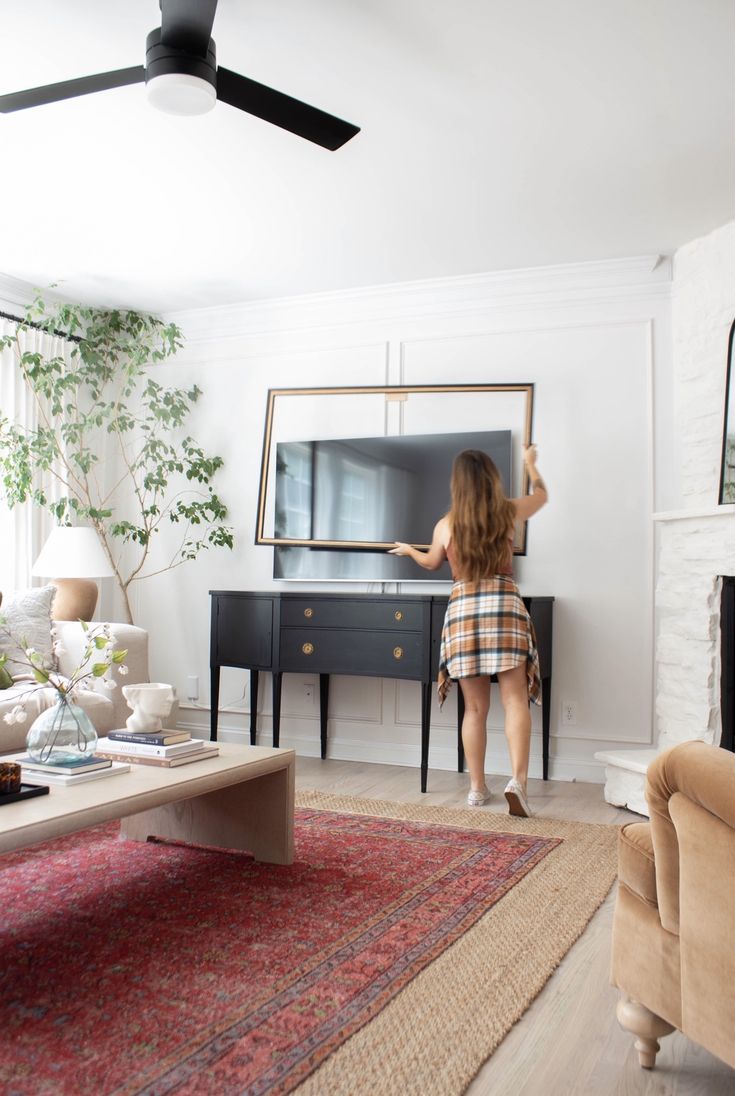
(727, 662)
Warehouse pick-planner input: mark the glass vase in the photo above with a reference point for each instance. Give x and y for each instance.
(62, 735)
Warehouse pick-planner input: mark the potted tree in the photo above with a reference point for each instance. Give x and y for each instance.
(112, 438)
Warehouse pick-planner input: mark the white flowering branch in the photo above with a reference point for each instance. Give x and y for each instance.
(98, 658)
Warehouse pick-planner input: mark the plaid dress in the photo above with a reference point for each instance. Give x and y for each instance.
(487, 629)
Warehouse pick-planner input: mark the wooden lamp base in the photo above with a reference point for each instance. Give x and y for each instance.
(75, 599)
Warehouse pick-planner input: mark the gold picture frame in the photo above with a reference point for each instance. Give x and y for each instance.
(388, 410)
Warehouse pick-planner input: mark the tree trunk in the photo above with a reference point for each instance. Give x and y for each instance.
(126, 604)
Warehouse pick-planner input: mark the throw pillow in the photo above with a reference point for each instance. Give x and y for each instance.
(25, 618)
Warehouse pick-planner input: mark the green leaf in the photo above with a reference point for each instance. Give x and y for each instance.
(100, 669)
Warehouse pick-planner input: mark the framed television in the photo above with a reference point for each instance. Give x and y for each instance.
(348, 471)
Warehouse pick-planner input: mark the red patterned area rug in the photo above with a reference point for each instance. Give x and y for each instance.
(154, 968)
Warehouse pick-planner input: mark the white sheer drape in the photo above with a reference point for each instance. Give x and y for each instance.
(24, 529)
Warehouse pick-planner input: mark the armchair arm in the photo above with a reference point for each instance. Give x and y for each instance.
(703, 775)
(71, 636)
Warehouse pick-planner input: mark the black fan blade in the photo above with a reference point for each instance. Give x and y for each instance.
(291, 114)
(187, 24)
(70, 89)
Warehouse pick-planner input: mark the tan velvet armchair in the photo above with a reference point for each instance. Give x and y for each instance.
(673, 953)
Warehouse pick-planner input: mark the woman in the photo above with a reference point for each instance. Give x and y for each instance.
(487, 629)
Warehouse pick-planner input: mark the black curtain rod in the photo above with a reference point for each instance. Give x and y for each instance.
(9, 316)
(39, 326)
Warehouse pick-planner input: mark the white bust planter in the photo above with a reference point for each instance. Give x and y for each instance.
(151, 703)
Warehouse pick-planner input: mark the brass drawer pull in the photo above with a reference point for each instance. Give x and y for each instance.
(398, 614)
(308, 648)
(308, 613)
(398, 652)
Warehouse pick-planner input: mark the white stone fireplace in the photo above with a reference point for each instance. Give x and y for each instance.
(695, 551)
(695, 543)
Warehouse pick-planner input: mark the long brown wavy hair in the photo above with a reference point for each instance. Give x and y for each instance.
(482, 518)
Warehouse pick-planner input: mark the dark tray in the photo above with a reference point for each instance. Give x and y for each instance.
(26, 791)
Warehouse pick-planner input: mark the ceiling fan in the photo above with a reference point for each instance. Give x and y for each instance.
(182, 77)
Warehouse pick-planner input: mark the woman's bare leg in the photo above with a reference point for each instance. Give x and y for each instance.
(514, 696)
(476, 693)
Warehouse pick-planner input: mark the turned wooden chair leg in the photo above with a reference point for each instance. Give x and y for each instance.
(646, 1026)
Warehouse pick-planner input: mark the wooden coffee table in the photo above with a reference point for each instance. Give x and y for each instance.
(242, 799)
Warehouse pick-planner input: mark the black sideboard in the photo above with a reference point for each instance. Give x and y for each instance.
(369, 635)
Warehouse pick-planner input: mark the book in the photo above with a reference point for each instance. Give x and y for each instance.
(162, 738)
(165, 762)
(107, 745)
(84, 764)
(36, 776)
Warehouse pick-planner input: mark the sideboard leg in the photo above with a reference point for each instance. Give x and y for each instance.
(425, 722)
(253, 707)
(323, 711)
(277, 683)
(545, 722)
(213, 702)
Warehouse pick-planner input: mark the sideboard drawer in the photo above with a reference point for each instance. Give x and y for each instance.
(351, 613)
(342, 651)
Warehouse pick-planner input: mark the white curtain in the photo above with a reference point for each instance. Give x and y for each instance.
(24, 528)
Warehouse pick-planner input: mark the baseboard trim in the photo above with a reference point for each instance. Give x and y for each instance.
(444, 758)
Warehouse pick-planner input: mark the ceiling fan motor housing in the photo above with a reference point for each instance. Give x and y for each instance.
(178, 80)
(162, 59)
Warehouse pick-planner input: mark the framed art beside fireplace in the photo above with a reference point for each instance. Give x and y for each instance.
(727, 472)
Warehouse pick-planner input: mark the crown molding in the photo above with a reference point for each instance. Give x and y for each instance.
(534, 287)
(14, 292)
(564, 285)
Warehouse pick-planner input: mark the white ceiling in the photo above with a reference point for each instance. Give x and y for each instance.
(496, 134)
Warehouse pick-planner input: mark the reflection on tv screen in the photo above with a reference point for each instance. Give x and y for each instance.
(375, 490)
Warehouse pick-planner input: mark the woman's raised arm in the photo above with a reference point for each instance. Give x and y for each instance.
(528, 505)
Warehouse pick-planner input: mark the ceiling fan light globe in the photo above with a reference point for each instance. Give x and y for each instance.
(180, 93)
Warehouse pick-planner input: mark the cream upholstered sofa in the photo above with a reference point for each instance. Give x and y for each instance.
(672, 951)
(106, 708)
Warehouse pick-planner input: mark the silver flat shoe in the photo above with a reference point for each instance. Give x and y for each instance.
(517, 801)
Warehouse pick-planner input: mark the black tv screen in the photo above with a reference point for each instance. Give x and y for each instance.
(356, 492)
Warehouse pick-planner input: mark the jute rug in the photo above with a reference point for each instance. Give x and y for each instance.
(436, 1034)
(392, 956)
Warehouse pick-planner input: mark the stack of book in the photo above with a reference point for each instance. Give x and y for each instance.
(166, 748)
(73, 772)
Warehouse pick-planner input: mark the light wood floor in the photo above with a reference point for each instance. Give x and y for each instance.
(568, 1043)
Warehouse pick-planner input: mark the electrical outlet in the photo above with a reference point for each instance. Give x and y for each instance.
(308, 692)
(569, 713)
(192, 687)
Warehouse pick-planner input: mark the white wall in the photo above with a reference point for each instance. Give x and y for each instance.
(697, 541)
(594, 339)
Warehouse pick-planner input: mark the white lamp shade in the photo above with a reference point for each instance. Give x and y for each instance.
(72, 552)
